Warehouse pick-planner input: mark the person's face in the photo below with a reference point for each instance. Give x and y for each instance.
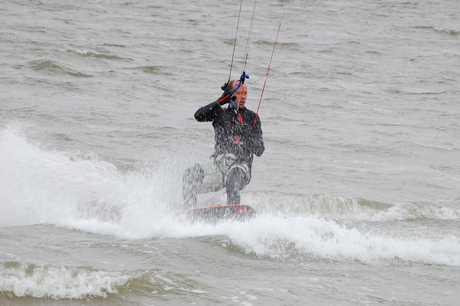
(241, 96)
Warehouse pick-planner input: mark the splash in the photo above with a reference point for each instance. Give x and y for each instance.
(80, 191)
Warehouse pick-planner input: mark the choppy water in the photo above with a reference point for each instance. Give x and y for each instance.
(357, 193)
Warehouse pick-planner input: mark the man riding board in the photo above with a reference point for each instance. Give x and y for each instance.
(238, 136)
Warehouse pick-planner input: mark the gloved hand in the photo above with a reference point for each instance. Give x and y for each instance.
(225, 98)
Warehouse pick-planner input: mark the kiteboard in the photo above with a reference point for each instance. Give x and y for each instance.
(221, 212)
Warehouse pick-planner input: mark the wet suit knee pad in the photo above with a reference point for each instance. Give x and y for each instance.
(235, 181)
(194, 174)
(237, 176)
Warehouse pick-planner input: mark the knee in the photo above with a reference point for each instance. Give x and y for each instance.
(193, 174)
(236, 178)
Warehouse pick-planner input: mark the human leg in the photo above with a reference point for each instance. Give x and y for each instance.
(201, 179)
(237, 178)
(192, 178)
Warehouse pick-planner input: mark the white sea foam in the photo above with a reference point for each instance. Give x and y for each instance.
(312, 237)
(58, 282)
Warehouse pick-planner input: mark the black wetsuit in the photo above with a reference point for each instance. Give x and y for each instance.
(235, 132)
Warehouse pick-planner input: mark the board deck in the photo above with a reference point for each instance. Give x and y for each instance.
(238, 212)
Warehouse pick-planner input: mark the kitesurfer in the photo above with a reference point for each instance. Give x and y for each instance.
(238, 136)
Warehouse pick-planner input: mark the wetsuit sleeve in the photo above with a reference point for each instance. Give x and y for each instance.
(208, 112)
(253, 138)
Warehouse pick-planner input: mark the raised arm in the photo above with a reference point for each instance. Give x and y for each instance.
(208, 112)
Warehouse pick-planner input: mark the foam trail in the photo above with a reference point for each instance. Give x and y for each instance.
(311, 237)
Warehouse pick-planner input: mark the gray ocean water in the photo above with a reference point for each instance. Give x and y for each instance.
(357, 193)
